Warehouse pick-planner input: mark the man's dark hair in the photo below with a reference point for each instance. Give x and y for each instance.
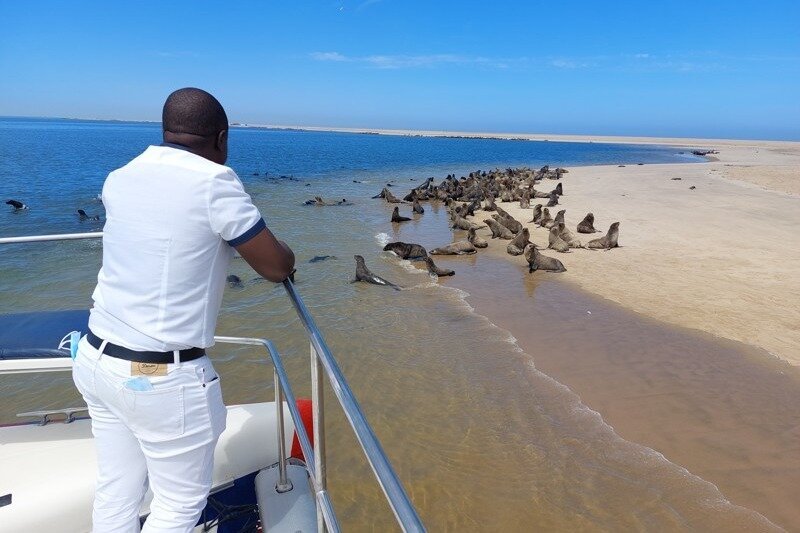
(191, 110)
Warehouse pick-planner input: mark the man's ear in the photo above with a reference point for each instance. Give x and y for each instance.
(222, 140)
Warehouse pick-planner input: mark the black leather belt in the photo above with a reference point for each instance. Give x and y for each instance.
(157, 358)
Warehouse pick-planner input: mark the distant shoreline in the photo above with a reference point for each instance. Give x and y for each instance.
(687, 142)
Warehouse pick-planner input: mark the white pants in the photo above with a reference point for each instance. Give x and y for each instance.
(165, 436)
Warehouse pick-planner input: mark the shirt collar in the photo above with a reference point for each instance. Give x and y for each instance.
(176, 146)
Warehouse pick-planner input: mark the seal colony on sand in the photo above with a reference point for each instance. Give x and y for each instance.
(466, 195)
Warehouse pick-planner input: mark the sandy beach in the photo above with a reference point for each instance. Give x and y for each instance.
(722, 257)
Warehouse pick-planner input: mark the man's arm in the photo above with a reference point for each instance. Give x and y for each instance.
(268, 256)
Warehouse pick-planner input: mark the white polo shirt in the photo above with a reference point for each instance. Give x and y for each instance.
(172, 220)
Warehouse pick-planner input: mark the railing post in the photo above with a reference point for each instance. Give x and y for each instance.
(284, 485)
(318, 412)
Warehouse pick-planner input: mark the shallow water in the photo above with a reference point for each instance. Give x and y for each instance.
(481, 439)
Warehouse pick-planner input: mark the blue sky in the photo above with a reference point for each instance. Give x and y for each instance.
(706, 69)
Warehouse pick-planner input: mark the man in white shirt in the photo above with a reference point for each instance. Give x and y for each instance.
(173, 218)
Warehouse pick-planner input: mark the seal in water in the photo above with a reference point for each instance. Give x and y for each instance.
(556, 242)
(416, 207)
(320, 258)
(537, 261)
(587, 224)
(364, 274)
(607, 242)
(396, 216)
(234, 281)
(83, 216)
(17, 205)
(518, 244)
(477, 242)
(537, 213)
(406, 250)
(433, 269)
(498, 230)
(545, 221)
(455, 248)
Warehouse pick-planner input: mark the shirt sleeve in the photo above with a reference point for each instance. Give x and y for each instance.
(231, 211)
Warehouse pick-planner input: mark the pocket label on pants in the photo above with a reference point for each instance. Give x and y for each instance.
(148, 369)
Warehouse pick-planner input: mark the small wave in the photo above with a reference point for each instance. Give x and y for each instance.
(382, 239)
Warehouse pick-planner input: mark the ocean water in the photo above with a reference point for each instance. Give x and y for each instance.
(482, 440)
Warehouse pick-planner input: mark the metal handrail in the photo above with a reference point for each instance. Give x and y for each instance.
(395, 493)
(321, 356)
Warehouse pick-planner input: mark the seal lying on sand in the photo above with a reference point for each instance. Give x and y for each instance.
(518, 244)
(406, 250)
(553, 200)
(556, 242)
(83, 216)
(587, 224)
(510, 222)
(396, 216)
(607, 242)
(433, 269)
(498, 230)
(455, 248)
(537, 261)
(477, 242)
(364, 274)
(463, 223)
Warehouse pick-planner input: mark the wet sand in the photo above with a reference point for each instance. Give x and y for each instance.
(721, 409)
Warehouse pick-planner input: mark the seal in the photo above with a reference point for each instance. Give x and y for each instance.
(476, 241)
(510, 222)
(559, 217)
(546, 221)
(537, 213)
(559, 190)
(553, 200)
(537, 261)
(364, 274)
(406, 250)
(435, 270)
(396, 216)
(518, 243)
(556, 242)
(587, 224)
(416, 207)
(455, 248)
(498, 230)
(567, 236)
(234, 281)
(83, 216)
(489, 205)
(460, 222)
(16, 204)
(320, 258)
(608, 241)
